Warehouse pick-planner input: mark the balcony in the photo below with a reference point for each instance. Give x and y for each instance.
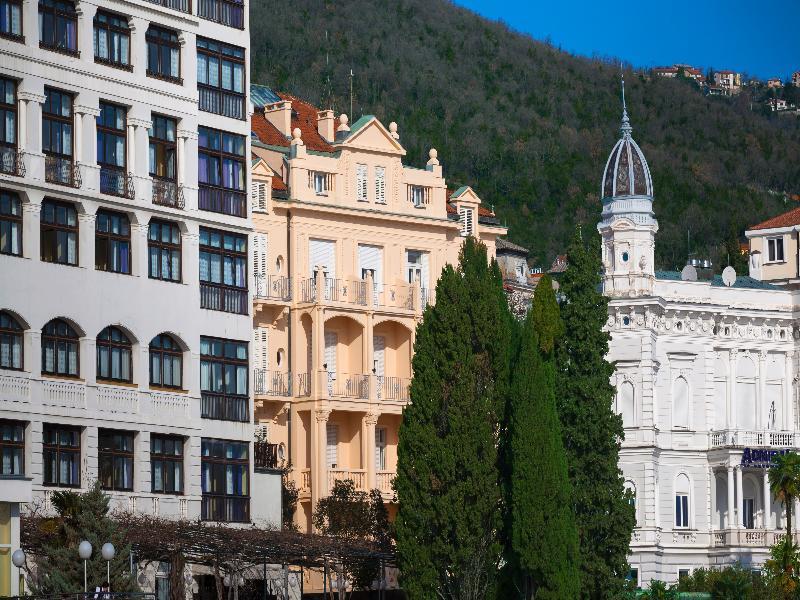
(383, 481)
(227, 12)
(226, 509)
(344, 385)
(393, 388)
(265, 456)
(220, 102)
(168, 193)
(303, 385)
(62, 171)
(221, 200)
(273, 287)
(181, 5)
(400, 296)
(753, 439)
(272, 383)
(758, 538)
(11, 161)
(346, 291)
(222, 407)
(215, 296)
(357, 476)
(115, 182)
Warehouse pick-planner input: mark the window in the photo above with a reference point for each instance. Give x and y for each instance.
(12, 448)
(380, 448)
(114, 351)
(223, 380)
(112, 40)
(115, 458)
(164, 250)
(223, 271)
(465, 215)
(112, 242)
(633, 577)
(775, 249)
(227, 12)
(57, 136)
(220, 78)
(419, 195)
(380, 185)
(9, 163)
(683, 573)
(225, 482)
(166, 362)
(163, 54)
(111, 142)
(681, 510)
(320, 182)
(61, 454)
(10, 342)
(749, 510)
(59, 233)
(221, 172)
(58, 26)
(11, 19)
(10, 224)
(163, 161)
(60, 349)
(166, 464)
(361, 183)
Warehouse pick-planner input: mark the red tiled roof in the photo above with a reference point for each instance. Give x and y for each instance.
(304, 116)
(277, 183)
(451, 210)
(787, 219)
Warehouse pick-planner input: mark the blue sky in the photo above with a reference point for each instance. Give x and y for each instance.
(759, 38)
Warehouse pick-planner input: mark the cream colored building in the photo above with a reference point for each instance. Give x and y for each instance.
(349, 244)
(774, 249)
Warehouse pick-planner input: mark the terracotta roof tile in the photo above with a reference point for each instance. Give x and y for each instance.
(277, 183)
(304, 116)
(787, 219)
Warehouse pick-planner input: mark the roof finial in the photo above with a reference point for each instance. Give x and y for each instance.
(626, 123)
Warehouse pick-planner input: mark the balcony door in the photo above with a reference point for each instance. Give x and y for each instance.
(331, 342)
(749, 513)
(417, 268)
(332, 445)
(380, 448)
(370, 258)
(322, 253)
(379, 355)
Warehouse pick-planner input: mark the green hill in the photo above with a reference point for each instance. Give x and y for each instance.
(530, 126)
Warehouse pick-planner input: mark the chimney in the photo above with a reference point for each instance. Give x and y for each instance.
(325, 123)
(280, 115)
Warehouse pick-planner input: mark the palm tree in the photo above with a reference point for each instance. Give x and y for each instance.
(784, 483)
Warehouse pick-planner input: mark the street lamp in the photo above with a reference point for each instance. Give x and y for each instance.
(18, 558)
(107, 551)
(85, 552)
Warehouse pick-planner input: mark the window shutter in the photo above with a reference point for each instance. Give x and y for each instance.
(379, 354)
(261, 348)
(361, 183)
(465, 216)
(322, 253)
(258, 195)
(260, 263)
(380, 449)
(332, 431)
(380, 185)
(331, 342)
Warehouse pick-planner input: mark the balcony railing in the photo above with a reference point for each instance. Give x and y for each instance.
(220, 102)
(303, 384)
(116, 182)
(265, 456)
(395, 296)
(763, 538)
(62, 171)
(168, 193)
(224, 408)
(305, 481)
(220, 200)
(227, 12)
(383, 481)
(227, 509)
(181, 5)
(272, 383)
(11, 161)
(357, 476)
(343, 385)
(215, 296)
(274, 287)
(393, 388)
(754, 439)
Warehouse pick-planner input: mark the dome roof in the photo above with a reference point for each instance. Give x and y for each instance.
(626, 173)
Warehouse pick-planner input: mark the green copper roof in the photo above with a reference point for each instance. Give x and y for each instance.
(460, 191)
(742, 281)
(261, 95)
(363, 120)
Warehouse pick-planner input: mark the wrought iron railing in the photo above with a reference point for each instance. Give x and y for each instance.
(303, 384)
(62, 171)
(220, 200)
(272, 383)
(220, 102)
(393, 388)
(344, 385)
(116, 182)
(12, 161)
(215, 296)
(265, 456)
(395, 296)
(168, 193)
(222, 407)
(227, 509)
(276, 287)
(181, 5)
(227, 12)
(346, 290)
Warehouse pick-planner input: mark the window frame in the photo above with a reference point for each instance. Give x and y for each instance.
(106, 134)
(120, 346)
(5, 109)
(58, 448)
(230, 296)
(362, 182)
(218, 5)
(160, 41)
(167, 459)
(11, 222)
(111, 29)
(55, 339)
(214, 50)
(218, 156)
(113, 243)
(16, 37)
(16, 447)
(224, 405)
(167, 146)
(208, 457)
(58, 12)
(55, 226)
(11, 331)
(774, 245)
(163, 353)
(115, 453)
(161, 246)
(61, 120)
(682, 511)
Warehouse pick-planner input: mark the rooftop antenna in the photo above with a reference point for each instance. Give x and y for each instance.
(328, 70)
(351, 92)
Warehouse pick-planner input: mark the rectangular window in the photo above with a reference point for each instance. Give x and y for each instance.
(225, 481)
(112, 40)
(58, 26)
(59, 233)
(11, 19)
(220, 78)
(380, 185)
(419, 195)
(749, 516)
(681, 510)
(465, 215)
(221, 172)
(361, 183)
(57, 137)
(223, 380)
(163, 162)
(163, 54)
(164, 251)
(223, 271)
(775, 249)
(12, 448)
(111, 150)
(61, 454)
(10, 223)
(9, 160)
(227, 12)
(320, 182)
(166, 464)
(115, 459)
(380, 448)
(112, 242)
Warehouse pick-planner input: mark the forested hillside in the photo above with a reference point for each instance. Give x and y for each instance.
(530, 126)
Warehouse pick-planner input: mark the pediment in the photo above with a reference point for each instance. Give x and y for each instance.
(261, 169)
(373, 136)
(465, 194)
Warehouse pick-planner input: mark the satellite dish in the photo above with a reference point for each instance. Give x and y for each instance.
(689, 273)
(729, 276)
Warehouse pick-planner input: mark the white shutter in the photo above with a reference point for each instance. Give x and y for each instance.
(332, 454)
(361, 183)
(380, 448)
(261, 348)
(322, 253)
(380, 185)
(260, 263)
(425, 280)
(258, 195)
(331, 342)
(379, 354)
(465, 216)
(371, 257)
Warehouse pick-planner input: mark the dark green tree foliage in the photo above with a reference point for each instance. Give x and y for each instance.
(447, 483)
(81, 517)
(544, 539)
(591, 430)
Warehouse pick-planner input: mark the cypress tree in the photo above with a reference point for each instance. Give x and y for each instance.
(447, 474)
(544, 539)
(591, 430)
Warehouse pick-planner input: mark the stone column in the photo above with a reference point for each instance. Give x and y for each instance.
(130, 149)
(86, 13)
(86, 225)
(730, 517)
(767, 503)
(86, 149)
(30, 132)
(739, 500)
(732, 416)
(762, 409)
(319, 471)
(787, 414)
(368, 448)
(139, 259)
(187, 164)
(31, 226)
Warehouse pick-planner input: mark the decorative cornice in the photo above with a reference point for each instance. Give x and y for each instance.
(322, 414)
(187, 134)
(82, 109)
(135, 122)
(31, 97)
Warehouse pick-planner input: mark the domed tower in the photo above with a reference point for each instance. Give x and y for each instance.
(628, 226)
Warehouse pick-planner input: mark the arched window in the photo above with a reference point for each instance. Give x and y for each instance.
(10, 342)
(114, 354)
(682, 501)
(626, 403)
(630, 487)
(166, 362)
(680, 404)
(60, 354)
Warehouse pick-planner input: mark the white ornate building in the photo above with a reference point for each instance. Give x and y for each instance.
(705, 378)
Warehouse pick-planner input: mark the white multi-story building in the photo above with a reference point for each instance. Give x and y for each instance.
(124, 235)
(706, 386)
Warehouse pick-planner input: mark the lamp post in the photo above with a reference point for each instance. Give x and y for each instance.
(107, 551)
(85, 552)
(18, 558)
